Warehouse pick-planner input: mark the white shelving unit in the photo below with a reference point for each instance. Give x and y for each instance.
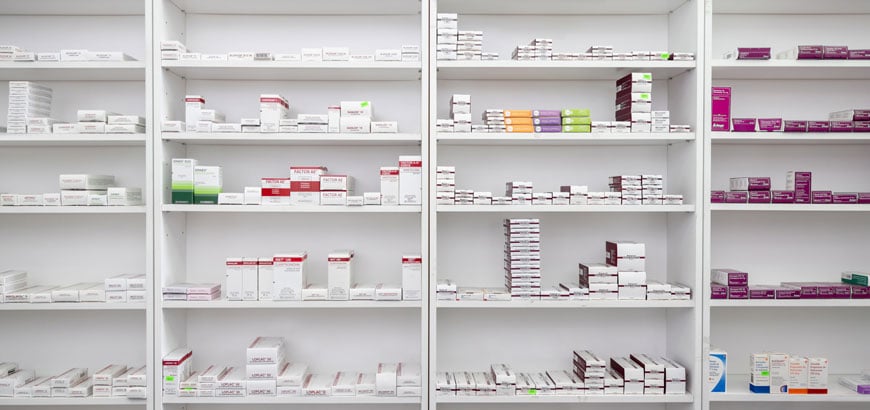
(534, 209)
(557, 70)
(175, 243)
(73, 306)
(72, 140)
(536, 400)
(291, 209)
(805, 303)
(561, 139)
(74, 210)
(278, 70)
(790, 138)
(293, 139)
(232, 304)
(332, 400)
(194, 240)
(97, 402)
(785, 242)
(738, 392)
(466, 241)
(560, 304)
(67, 245)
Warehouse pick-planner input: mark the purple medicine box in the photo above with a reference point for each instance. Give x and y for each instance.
(810, 52)
(718, 291)
(717, 197)
(731, 276)
(836, 52)
(736, 197)
(808, 290)
(860, 292)
(823, 197)
(795, 126)
(548, 128)
(546, 113)
(784, 292)
(860, 126)
(721, 106)
(753, 53)
(801, 182)
(743, 124)
(841, 126)
(759, 197)
(738, 292)
(864, 197)
(860, 115)
(770, 124)
(845, 198)
(547, 121)
(818, 126)
(859, 54)
(762, 292)
(782, 197)
(834, 290)
(750, 183)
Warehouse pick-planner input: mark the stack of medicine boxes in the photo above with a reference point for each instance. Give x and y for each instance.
(26, 100)
(591, 370)
(460, 112)
(445, 185)
(634, 101)
(448, 32)
(629, 258)
(523, 258)
(265, 358)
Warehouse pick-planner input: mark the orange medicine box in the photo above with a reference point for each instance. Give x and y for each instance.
(520, 128)
(518, 113)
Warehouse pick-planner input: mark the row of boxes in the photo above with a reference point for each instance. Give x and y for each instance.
(267, 372)
(306, 185)
(252, 279)
(175, 50)
(109, 381)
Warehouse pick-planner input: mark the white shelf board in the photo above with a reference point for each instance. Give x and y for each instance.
(68, 140)
(73, 71)
(73, 306)
(557, 70)
(289, 209)
(616, 398)
(72, 401)
(73, 7)
(790, 207)
(349, 304)
(72, 210)
(559, 7)
(737, 390)
(292, 400)
(566, 208)
(291, 139)
(566, 304)
(791, 7)
(558, 138)
(765, 303)
(271, 7)
(281, 70)
(790, 138)
(791, 69)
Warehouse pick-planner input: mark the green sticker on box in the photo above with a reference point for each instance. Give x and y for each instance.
(648, 76)
(763, 373)
(532, 392)
(644, 96)
(364, 104)
(170, 378)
